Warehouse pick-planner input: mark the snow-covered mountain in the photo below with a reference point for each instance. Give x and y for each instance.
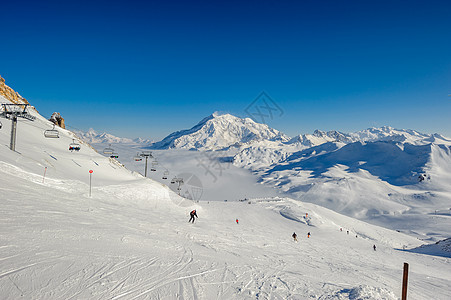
(385, 133)
(92, 137)
(320, 137)
(219, 131)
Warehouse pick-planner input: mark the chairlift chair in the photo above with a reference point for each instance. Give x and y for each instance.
(52, 133)
(153, 168)
(108, 150)
(74, 146)
(138, 157)
(114, 155)
(173, 180)
(165, 175)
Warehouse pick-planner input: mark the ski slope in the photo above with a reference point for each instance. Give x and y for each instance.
(131, 238)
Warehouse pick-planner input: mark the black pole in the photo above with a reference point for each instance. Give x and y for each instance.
(145, 171)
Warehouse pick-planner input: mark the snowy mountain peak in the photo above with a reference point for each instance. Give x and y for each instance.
(219, 131)
(92, 137)
(388, 133)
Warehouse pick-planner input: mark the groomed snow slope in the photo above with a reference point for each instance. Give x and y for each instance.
(131, 239)
(127, 242)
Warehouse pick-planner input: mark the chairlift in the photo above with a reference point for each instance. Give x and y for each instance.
(108, 150)
(154, 168)
(138, 157)
(114, 155)
(165, 175)
(173, 180)
(74, 146)
(52, 133)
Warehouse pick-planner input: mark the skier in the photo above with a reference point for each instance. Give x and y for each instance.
(347, 231)
(308, 235)
(237, 221)
(374, 247)
(192, 214)
(341, 229)
(295, 236)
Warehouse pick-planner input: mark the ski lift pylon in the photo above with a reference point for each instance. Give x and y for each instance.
(52, 133)
(74, 146)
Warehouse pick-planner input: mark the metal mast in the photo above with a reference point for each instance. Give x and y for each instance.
(146, 155)
(12, 112)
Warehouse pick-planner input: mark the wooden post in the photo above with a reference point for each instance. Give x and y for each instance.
(404, 281)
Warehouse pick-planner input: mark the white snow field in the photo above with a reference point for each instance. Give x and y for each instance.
(131, 238)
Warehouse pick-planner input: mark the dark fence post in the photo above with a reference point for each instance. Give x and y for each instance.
(404, 281)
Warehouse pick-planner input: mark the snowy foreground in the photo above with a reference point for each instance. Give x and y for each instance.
(131, 239)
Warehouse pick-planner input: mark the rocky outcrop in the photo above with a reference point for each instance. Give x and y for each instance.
(9, 94)
(57, 120)
(13, 96)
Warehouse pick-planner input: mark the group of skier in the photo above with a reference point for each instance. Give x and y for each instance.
(295, 236)
(193, 215)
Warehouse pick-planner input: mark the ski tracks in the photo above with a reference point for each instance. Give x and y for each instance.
(150, 284)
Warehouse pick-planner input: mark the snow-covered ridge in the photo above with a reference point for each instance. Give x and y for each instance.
(91, 136)
(384, 133)
(219, 131)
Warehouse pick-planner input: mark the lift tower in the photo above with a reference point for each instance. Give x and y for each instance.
(146, 155)
(12, 112)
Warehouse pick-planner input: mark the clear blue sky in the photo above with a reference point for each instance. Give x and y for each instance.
(147, 68)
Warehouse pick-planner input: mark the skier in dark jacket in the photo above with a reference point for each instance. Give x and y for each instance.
(192, 214)
(295, 236)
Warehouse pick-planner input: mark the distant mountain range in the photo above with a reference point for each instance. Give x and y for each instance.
(220, 131)
(92, 137)
(397, 156)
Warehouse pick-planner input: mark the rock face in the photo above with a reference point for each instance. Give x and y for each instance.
(57, 120)
(9, 94)
(13, 96)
